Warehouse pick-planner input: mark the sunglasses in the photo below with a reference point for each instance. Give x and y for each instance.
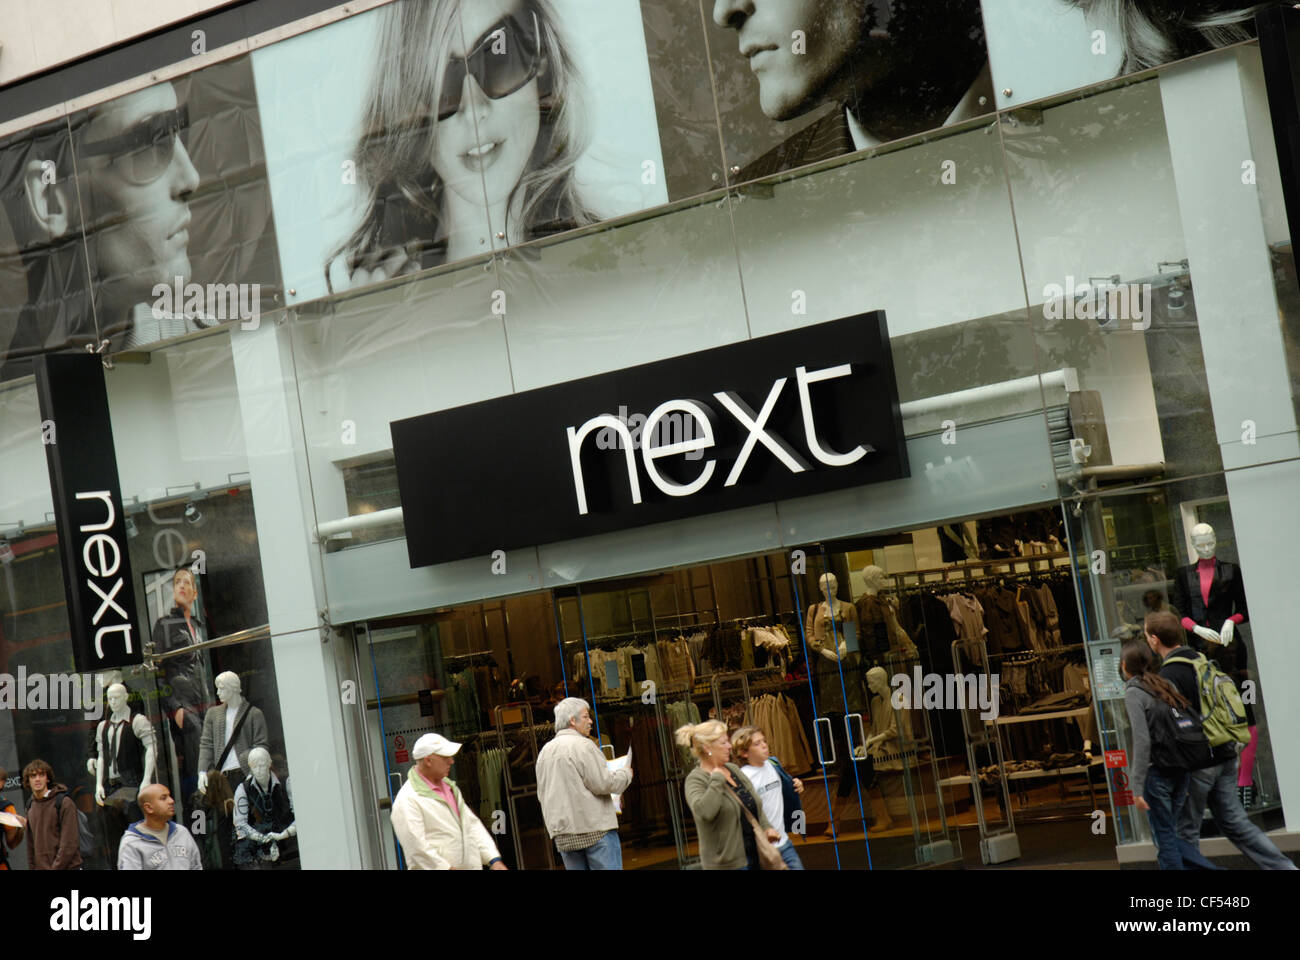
(502, 61)
(144, 152)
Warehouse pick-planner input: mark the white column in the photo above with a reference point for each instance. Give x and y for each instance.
(1207, 104)
(329, 827)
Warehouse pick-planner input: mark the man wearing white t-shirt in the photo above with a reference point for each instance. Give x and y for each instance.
(771, 783)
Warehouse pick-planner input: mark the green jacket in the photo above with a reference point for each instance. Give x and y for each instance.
(719, 817)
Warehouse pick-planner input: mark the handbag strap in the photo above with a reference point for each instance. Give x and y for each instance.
(234, 734)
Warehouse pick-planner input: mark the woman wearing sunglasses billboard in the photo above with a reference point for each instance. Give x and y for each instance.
(470, 106)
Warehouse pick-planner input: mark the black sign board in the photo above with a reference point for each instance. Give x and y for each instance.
(788, 415)
(88, 511)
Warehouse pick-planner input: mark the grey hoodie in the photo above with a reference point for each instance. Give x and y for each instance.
(140, 851)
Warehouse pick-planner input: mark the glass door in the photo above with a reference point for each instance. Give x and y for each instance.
(485, 676)
(622, 655)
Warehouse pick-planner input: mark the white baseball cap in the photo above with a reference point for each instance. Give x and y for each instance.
(434, 743)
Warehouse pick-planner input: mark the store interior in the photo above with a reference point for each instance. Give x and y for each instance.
(887, 782)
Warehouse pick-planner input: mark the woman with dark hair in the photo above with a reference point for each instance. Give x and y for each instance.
(1162, 31)
(469, 104)
(1158, 773)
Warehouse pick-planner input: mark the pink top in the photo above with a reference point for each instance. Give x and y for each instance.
(1205, 568)
(444, 791)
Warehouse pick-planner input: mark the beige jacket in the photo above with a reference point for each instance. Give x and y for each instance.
(432, 837)
(574, 786)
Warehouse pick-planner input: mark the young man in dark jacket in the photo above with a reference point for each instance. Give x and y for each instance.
(1215, 786)
(52, 824)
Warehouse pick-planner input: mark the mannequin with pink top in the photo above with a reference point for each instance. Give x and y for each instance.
(1211, 598)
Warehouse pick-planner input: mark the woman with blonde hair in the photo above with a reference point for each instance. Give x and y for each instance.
(722, 801)
(470, 104)
(1155, 32)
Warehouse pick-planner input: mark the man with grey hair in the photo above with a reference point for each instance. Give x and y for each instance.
(575, 787)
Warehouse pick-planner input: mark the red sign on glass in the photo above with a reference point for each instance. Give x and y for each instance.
(1123, 795)
(1116, 758)
(399, 749)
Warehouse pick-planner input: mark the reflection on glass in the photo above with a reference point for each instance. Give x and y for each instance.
(864, 73)
(155, 170)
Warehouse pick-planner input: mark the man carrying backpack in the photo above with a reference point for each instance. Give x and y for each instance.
(52, 825)
(1224, 721)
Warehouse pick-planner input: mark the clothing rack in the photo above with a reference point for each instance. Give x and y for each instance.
(987, 572)
(654, 633)
(1031, 654)
(471, 657)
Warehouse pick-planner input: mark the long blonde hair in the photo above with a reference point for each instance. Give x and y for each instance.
(697, 736)
(1159, 31)
(404, 195)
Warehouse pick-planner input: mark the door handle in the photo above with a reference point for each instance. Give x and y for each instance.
(818, 736)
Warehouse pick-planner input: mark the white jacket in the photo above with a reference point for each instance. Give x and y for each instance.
(574, 785)
(432, 837)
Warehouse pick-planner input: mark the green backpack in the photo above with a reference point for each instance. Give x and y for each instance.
(1223, 715)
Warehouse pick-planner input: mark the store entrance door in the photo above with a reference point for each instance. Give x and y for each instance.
(485, 676)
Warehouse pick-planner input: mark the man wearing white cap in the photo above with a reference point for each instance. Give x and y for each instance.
(434, 825)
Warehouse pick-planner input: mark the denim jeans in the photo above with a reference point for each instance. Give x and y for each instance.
(1166, 797)
(1217, 786)
(789, 856)
(605, 854)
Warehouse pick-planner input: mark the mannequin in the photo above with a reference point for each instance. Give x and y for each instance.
(263, 813)
(878, 614)
(891, 730)
(1210, 596)
(840, 690)
(245, 730)
(123, 766)
(1209, 593)
(217, 731)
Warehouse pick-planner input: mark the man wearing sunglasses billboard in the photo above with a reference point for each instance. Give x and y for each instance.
(136, 179)
(891, 67)
(132, 186)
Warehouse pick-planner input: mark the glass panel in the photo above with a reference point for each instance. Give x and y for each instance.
(660, 287)
(1112, 297)
(1137, 553)
(829, 79)
(569, 126)
(371, 358)
(485, 676)
(44, 303)
(173, 193)
(953, 297)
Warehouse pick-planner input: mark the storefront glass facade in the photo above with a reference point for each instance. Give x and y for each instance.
(1092, 310)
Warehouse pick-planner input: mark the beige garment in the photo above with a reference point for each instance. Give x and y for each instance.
(574, 786)
(819, 622)
(896, 725)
